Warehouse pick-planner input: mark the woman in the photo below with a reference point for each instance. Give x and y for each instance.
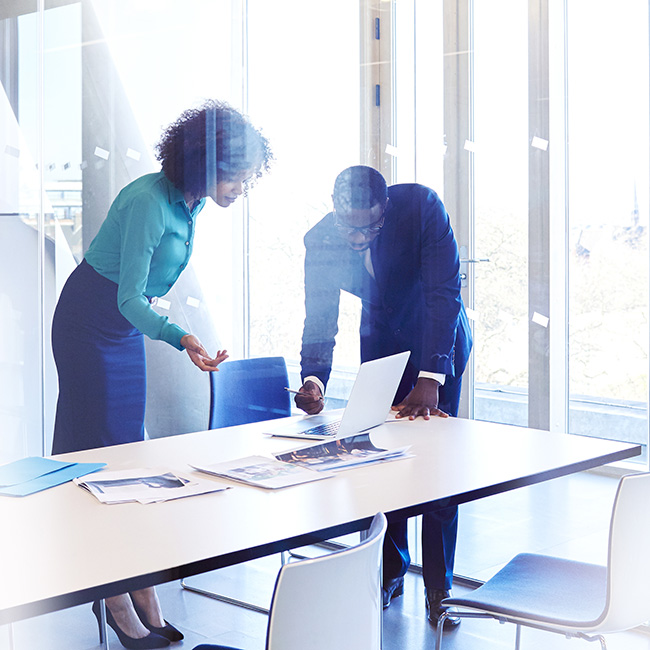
(105, 307)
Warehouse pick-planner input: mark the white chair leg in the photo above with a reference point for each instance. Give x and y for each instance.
(439, 630)
(598, 637)
(225, 599)
(10, 634)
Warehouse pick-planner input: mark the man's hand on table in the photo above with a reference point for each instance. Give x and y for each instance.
(422, 400)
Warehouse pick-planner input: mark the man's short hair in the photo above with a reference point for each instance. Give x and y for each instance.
(359, 188)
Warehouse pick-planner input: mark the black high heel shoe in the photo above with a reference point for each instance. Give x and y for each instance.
(146, 643)
(168, 631)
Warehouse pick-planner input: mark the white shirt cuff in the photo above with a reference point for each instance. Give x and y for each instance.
(440, 378)
(318, 383)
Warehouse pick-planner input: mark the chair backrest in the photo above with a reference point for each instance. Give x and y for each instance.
(332, 601)
(628, 566)
(249, 390)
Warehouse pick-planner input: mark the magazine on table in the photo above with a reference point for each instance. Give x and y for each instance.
(341, 454)
(262, 472)
(144, 486)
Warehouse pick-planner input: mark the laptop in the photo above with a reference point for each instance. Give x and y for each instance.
(369, 403)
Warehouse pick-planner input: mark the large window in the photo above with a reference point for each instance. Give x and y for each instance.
(531, 126)
(608, 174)
(544, 163)
(304, 89)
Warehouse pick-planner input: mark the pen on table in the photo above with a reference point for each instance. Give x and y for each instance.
(299, 392)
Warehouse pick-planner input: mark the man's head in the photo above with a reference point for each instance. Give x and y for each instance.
(360, 199)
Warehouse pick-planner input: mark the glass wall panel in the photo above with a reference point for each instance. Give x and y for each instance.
(608, 226)
(88, 85)
(143, 63)
(87, 89)
(21, 308)
(500, 150)
(419, 139)
(303, 85)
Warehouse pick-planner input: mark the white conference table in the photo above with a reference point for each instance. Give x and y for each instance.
(61, 547)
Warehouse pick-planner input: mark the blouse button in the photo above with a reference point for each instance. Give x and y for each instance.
(187, 243)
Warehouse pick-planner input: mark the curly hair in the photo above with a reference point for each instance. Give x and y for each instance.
(211, 143)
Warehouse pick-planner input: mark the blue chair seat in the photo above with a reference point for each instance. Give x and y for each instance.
(570, 593)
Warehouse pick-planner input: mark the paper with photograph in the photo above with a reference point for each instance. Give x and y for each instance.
(341, 454)
(262, 472)
(145, 486)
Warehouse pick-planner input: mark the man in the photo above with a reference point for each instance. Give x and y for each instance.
(395, 249)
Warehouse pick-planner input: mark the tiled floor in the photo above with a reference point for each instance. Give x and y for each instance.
(567, 517)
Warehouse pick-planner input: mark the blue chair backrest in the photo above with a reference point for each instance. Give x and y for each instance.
(249, 390)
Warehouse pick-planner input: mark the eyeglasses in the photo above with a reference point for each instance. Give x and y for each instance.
(370, 229)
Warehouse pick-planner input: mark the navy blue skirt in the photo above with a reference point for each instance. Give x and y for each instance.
(100, 361)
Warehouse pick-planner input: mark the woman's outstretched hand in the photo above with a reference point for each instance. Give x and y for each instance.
(199, 356)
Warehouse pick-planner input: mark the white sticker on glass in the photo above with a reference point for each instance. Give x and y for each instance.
(539, 143)
(539, 319)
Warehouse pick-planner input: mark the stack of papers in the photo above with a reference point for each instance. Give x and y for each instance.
(262, 472)
(341, 454)
(304, 464)
(145, 486)
(33, 474)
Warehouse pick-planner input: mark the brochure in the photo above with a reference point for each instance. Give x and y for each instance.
(145, 486)
(341, 454)
(262, 472)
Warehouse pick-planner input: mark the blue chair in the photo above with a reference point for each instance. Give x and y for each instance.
(574, 598)
(244, 391)
(249, 390)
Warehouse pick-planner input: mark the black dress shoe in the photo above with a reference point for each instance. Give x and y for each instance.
(392, 589)
(168, 631)
(432, 600)
(145, 643)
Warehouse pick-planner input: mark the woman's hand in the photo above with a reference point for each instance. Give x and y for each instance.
(200, 358)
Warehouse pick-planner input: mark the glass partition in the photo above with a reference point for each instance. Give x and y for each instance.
(608, 219)
(89, 84)
(500, 151)
(303, 87)
(26, 258)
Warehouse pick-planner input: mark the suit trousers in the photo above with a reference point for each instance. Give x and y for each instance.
(439, 526)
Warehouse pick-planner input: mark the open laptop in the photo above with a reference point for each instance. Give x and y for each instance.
(369, 403)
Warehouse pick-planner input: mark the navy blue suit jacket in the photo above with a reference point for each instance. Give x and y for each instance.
(413, 303)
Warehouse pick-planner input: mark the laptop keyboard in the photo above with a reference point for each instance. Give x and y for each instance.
(326, 429)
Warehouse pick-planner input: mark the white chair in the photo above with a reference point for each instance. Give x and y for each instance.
(574, 598)
(332, 601)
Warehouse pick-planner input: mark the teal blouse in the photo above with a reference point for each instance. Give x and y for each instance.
(143, 246)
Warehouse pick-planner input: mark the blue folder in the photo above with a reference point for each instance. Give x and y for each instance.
(33, 474)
